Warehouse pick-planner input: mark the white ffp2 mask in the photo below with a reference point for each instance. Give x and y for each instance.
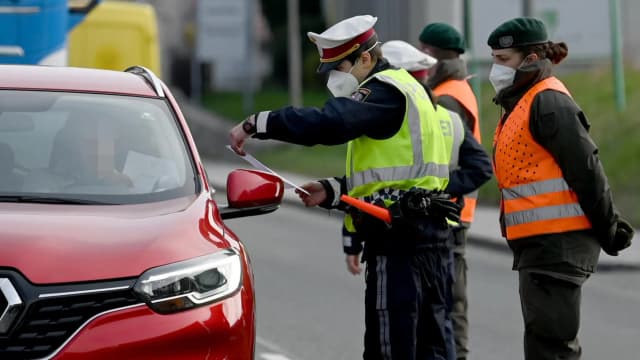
(342, 84)
(501, 76)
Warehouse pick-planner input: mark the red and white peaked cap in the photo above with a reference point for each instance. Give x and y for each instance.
(342, 39)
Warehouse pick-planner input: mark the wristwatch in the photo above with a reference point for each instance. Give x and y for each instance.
(248, 126)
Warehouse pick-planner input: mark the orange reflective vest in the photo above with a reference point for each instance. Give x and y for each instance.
(462, 92)
(535, 198)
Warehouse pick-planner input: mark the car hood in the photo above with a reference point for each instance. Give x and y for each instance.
(71, 243)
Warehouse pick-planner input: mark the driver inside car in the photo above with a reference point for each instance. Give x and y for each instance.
(84, 154)
(9, 180)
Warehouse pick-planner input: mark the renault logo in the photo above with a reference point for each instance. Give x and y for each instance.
(10, 305)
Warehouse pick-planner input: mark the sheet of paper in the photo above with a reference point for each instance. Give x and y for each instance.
(260, 166)
(145, 170)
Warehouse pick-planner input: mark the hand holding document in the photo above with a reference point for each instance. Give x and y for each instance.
(260, 166)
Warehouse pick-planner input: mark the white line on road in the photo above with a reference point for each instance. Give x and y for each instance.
(269, 345)
(273, 357)
(276, 351)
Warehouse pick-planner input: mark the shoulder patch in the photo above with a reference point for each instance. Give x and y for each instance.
(361, 94)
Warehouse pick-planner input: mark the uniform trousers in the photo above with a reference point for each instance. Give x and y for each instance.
(407, 306)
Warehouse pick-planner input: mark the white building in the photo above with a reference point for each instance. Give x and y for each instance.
(583, 24)
(179, 29)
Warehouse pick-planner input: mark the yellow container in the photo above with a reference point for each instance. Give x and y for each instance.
(116, 35)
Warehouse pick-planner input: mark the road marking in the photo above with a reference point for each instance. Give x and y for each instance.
(273, 357)
(269, 345)
(275, 350)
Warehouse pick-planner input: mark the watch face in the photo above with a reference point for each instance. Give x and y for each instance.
(248, 127)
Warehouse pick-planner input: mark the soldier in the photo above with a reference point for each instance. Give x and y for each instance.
(557, 210)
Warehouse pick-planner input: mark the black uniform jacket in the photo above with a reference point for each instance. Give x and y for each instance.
(560, 126)
(375, 110)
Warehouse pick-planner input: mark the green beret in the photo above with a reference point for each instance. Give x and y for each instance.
(443, 36)
(518, 32)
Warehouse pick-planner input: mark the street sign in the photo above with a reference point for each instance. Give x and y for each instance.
(222, 30)
(587, 35)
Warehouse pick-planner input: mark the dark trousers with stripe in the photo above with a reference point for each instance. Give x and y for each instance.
(407, 306)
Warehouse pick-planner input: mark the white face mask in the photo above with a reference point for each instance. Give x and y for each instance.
(501, 76)
(342, 84)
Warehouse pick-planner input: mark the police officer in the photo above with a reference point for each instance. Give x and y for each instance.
(448, 79)
(418, 67)
(557, 210)
(470, 168)
(397, 153)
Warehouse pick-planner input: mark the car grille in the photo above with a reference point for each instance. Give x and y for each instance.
(3, 303)
(47, 323)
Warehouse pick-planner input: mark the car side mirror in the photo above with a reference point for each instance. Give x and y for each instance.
(251, 192)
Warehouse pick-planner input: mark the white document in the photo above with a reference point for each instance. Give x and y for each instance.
(260, 166)
(145, 171)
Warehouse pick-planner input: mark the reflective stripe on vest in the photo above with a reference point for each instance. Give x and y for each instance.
(462, 92)
(535, 199)
(397, 173)
(416, 156)
(535, 188)
(458, 138)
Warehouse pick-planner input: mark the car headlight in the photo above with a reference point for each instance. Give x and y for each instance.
(190, 283)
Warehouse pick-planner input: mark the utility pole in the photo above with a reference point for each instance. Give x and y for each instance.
(616, 55)
(295, 53)
(527, 8)
(468, 38)
(247, 97)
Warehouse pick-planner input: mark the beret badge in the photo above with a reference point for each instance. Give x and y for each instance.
(505, 41)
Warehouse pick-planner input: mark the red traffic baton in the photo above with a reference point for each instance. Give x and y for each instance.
(373, 210)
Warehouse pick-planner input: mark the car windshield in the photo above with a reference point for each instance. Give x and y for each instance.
(91, 148)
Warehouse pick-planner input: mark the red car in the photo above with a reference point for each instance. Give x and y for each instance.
(111, 244)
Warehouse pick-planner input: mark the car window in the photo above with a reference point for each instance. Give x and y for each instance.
(111, 148)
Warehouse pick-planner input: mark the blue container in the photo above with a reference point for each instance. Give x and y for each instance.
(35, 31)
